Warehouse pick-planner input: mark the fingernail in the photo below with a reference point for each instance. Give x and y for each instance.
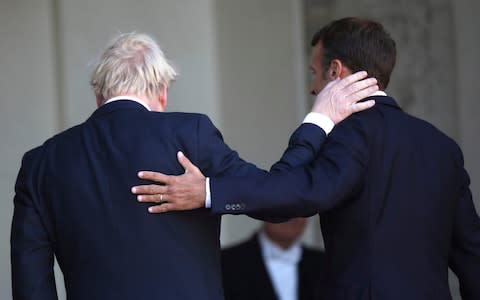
(134, 190)
(140, 174)
(150, 209)
(140, 198)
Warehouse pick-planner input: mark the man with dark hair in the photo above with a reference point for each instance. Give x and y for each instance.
(391, 190)
(345, 40)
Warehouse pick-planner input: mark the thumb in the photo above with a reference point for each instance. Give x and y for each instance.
(186, 163)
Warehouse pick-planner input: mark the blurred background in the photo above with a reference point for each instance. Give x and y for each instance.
(244, 63)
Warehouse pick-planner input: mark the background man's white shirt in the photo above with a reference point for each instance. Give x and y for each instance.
(282, 266)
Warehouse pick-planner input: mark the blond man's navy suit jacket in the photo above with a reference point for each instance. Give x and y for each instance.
(73, 201)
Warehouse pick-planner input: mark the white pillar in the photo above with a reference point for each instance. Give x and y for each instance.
(28, 103)
(262, 84)
(467, 46)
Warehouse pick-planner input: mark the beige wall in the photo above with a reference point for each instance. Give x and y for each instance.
(27, 104)
(184, 30)
(261, 84)
(467, 41)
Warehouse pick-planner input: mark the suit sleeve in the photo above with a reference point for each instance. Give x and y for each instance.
(304, 145)
(302, 191)
(32, 255)
(217, 159)
(465, 251)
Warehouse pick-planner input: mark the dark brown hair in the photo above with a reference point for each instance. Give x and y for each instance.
(360, 44)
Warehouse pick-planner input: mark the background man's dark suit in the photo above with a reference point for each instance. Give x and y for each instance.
(394, 202)
(73, 200)
(245, 276)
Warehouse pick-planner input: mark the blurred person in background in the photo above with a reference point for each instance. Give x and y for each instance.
(273, 264)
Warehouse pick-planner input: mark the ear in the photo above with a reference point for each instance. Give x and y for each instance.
(99, 100)
(163, 98)
(338, 70)
(335, 70)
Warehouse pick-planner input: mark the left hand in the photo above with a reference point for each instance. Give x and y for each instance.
(338, 99)
(182, 192)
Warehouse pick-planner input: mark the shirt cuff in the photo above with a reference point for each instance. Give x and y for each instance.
(320, 120)
(208, 199)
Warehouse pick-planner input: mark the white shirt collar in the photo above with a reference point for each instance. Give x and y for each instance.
(379, 93)
(271, 251)
(128, 98)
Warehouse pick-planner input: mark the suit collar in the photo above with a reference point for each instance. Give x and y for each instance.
(385, 100)
(119, 104)
(263, 281)
(138, 100)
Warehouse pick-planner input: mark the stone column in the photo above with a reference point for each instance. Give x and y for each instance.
(28, 101)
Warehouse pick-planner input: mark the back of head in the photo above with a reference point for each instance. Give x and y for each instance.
(360, 44)
(132, 64)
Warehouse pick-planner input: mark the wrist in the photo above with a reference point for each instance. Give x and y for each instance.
(321, 120)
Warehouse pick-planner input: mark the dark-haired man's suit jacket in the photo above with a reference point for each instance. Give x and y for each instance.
(245, 276)
(73, 201)
(395, 206)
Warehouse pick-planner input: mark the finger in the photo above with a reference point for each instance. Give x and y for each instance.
(154, 176)
(362, 94)
(186, 163)
(163, 208)
(157, 198)
(149, 189)
(360, 85)
(331, 84)
(362, 106)
(351, 79)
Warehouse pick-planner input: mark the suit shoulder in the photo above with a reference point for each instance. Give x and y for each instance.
(184, 120)
(245, 248)
(32, 155)
(237, 248)
(40, 151)
(183, 116)
(312, 253)
(432, 131)
(313, 261)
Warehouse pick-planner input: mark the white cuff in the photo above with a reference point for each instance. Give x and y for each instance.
(208, 199)
(320, 120)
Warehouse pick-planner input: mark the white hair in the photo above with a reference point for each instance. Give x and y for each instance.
(133, 64)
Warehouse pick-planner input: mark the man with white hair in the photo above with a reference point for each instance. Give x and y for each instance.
(73, 200)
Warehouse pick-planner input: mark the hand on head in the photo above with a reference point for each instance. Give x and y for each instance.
(339, 99)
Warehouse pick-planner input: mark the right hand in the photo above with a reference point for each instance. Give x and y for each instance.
(171, 193)
(338, 99)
